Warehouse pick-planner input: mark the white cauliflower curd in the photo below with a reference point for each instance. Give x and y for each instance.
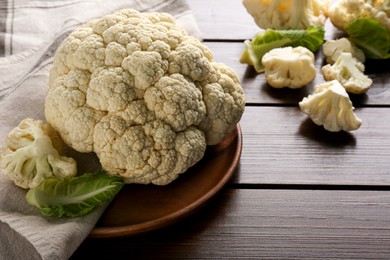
(330, 106)
(32, 153)
(289, 67)
(142, 94)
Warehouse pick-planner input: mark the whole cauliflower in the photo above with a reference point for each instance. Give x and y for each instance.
(289, 67)
(349, 72)
(287, 14)
(331, 107)
(142, 94)
(32, 154)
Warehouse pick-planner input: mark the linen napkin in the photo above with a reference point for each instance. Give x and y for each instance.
(30, 32)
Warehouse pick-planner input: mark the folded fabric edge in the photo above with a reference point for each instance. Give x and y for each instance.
(8, 250)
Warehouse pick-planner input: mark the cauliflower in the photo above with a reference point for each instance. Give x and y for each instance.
(367, 24)
(32, 154)
(289, 67)
(287, 14)
(343, 12)
(331, 107)
(333, 48)
(349, 72)
(142, 94)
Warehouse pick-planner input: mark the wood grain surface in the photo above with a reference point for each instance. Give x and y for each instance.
(282, 146)
(299, 192)
(266, 223)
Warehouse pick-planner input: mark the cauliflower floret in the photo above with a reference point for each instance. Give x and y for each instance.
(147, 99)
(176, 101)
(289, 67)
(333, 48)
(349, 72)
(32, 154)
(188, 59)
(331, 107)
(224, 100)
(147, 153)
(343, 12)
(287, 14)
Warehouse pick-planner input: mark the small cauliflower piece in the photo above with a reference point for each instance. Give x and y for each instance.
(146, 97)
(333, 48)
(32, 154)
(349, 72)
(289, 67)
(331, 107)
(287, 14)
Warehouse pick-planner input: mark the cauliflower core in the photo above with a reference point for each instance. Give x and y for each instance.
(32, 154)
(142, 94)
(289, 67)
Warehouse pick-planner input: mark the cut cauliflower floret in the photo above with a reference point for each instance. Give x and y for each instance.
(349, 72)
(333, 48)
(289, 67)
(32, 154)
(287, 14)
(331, 107)
(151, 101)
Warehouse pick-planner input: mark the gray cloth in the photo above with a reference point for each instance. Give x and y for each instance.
(30, 32)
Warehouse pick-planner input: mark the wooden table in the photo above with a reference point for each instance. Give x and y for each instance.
(299, 191)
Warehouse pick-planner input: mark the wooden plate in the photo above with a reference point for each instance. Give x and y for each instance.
(140, 208)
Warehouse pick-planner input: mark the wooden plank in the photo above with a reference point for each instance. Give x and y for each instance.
(257, 91)
(259, 224)
(281, 145)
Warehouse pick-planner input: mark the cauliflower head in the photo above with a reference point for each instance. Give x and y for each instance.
(287, 14)
(331, 107)
(142, 94)
(289, 67)
(333, 48)
(32, 154)
(349, 72)
(343, 12)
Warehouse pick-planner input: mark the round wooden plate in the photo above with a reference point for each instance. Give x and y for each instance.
(140, 208)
